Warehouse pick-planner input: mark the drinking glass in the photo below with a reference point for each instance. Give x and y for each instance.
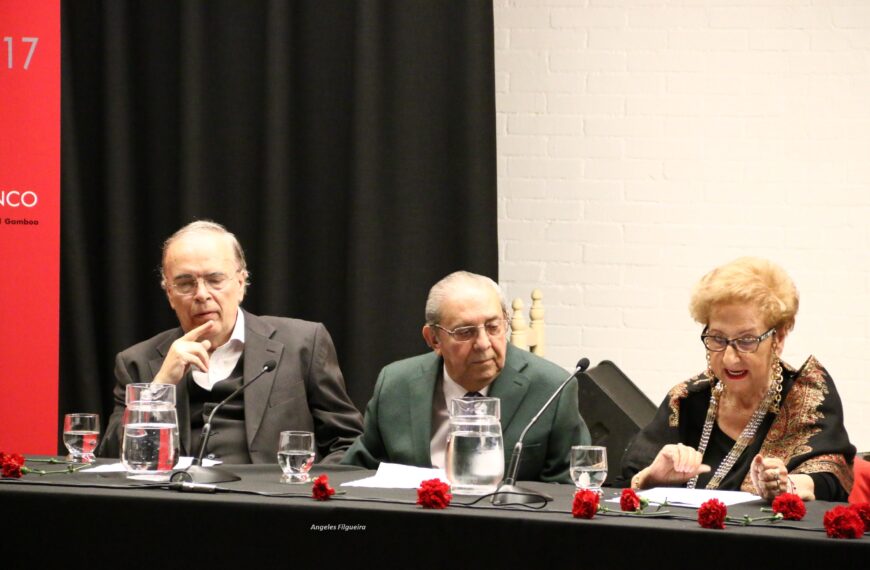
(295, 455)
(81, 432)
(484, 406)
(588, 466)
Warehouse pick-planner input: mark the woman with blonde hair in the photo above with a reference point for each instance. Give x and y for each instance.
(750, 421)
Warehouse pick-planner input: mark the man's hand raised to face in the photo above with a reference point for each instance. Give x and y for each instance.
(190, 350)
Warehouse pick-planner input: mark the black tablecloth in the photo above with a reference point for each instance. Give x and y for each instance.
(83, 519)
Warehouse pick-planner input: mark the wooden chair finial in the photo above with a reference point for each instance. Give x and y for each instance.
(519, 327)
(528, 335)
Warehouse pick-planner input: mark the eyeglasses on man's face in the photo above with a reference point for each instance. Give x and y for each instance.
(188, 284)
(465, 334)
(746, 344)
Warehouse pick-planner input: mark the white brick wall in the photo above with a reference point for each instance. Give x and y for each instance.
(643, 142)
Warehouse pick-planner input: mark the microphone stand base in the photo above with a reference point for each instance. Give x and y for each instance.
(200, 474)
(507, 495)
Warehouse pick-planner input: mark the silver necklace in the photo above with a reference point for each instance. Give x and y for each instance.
(746, 436)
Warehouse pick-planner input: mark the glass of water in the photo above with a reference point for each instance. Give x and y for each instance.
(81, 432)
(295, 455)
(588, 466)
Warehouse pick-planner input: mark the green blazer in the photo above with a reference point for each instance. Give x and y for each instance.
(398, 419)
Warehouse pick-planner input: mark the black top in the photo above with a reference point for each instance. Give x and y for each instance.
(228, 437)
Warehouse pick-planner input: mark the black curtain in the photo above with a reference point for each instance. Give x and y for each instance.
(350, 145)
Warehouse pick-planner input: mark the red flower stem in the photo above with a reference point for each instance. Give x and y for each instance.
(69, 469)
(605, 510)
(746, 520)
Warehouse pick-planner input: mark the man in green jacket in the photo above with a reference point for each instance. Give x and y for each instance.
(407, 419)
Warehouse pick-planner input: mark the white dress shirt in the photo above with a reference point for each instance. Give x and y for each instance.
(441, 417)
(224, 358)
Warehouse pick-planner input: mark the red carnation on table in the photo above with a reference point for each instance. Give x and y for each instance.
(321, 490)
(585, 504)
(843, 522)
(630, 501)
(12, 465)
(434, 494)
(863, 510)
(790, 506)
(712, 514)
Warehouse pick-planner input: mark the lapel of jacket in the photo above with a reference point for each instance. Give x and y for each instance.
(421, 391)
(510, 387)
(259, 349)
(182, 403)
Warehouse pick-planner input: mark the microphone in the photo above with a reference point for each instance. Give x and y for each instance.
(194, 487)
(196, 473)
(510, 494)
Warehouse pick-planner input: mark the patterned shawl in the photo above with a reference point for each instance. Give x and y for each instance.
(807, 434)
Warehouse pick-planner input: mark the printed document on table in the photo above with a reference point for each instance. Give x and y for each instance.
(183, 463)
(681, 497)
(396, 476)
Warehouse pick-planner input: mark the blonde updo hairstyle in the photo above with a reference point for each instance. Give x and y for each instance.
(753, 281)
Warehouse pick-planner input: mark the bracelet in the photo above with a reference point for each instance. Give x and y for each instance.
(635, 481)
(792, 488)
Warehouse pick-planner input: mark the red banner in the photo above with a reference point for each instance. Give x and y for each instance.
(29, 224)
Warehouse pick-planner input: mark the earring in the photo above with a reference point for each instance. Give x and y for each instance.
(776, 379)
(717, 388)
(709, 371)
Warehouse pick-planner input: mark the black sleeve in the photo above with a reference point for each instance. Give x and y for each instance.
(828, 488)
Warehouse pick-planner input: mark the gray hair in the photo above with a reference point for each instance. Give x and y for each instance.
(441, 290)
(205, 226)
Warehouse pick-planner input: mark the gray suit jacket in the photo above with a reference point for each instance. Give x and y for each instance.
(306, 390)
(398, 421)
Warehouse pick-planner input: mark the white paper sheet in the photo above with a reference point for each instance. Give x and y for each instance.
(396, 476)
(183, 463)
(694, 498)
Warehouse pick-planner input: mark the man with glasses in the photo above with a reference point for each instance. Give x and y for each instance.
(219, 346)
(466, 324)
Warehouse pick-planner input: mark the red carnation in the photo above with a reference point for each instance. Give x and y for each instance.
(790, 506)
(843, 522)
(585, 504)
(863, 510)
(712, 514)
(321, 489)
(434, 494)
(630, 501)
(12, 465)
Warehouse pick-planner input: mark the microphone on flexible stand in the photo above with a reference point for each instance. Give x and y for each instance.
(508, 493)
(197, 473)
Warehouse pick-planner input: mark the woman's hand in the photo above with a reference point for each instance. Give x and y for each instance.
(770, 478)
(674, 465)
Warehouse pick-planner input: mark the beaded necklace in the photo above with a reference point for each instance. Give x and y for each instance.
(746, 436)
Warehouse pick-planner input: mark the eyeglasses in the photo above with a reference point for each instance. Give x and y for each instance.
(465, 334)
(189, 285)
(748, 344)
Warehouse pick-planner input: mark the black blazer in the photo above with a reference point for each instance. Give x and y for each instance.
(306, 391)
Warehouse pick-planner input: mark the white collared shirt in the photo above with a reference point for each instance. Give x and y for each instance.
(224, 358)
(438, 445)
